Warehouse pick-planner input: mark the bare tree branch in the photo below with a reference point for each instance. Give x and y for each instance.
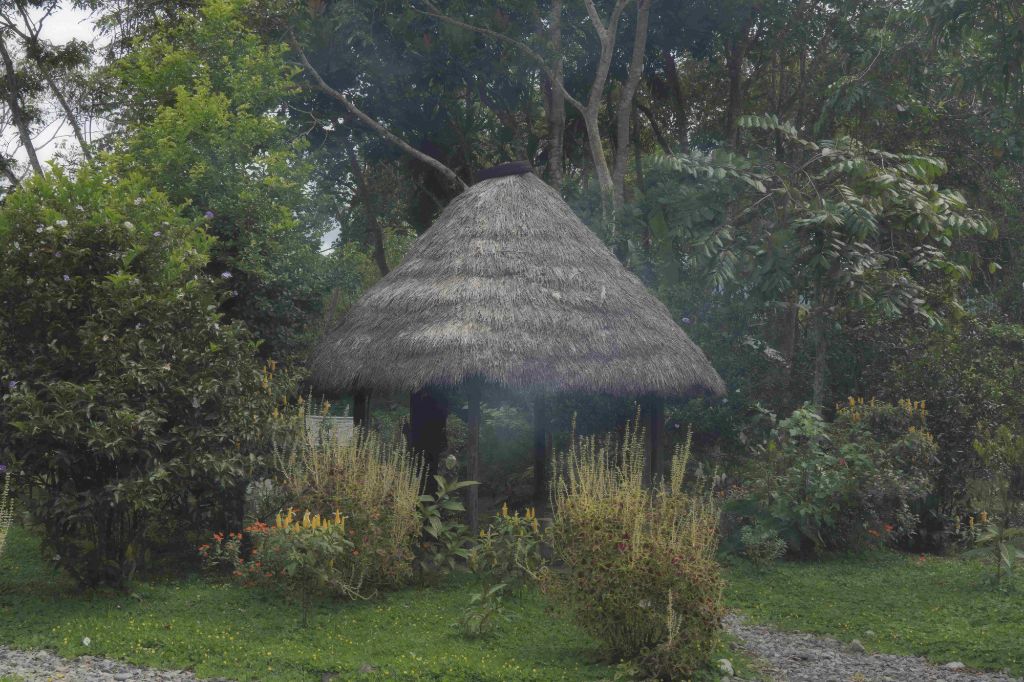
(370, 121)
(31, 39)
(18, 115)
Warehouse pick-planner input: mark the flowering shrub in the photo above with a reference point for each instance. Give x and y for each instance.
(852, 481)
(375, 482)
(305, 557)
(640, 572)
(131, 404)
(509, 550)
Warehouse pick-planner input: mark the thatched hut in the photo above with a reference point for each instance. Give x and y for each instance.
(509, 288)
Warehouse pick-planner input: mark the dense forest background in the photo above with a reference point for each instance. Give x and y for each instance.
(827, 195)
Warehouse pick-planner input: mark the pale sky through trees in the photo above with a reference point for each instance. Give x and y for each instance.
(65, 24)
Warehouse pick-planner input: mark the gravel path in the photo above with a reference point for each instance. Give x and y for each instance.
(797, 657)
(787, 657)
(42, 666)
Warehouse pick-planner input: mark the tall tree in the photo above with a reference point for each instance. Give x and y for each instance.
(204, 116)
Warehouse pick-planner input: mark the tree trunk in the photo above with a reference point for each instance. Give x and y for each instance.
(658, 135)
(428, 432)
(638, 162)
(70, 114)
(626, 110)
(734, 65)
(679, 105)
(18, 115)
(790, 319)
(604, 175)
(556, 113)
(540, 452)
(820, 357)
(473, 456)
(365, 195)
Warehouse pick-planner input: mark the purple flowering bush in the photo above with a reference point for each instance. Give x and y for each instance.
(131, 412)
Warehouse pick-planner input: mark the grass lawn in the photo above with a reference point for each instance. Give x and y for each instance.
(943, 609)
(229, 631)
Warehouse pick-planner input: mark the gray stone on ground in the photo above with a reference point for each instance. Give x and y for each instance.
(43, 666)
(796, 657)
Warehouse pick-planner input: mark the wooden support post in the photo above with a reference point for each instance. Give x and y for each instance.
(361, 408)
(473, 456)
(428, 431)
(654, 425)
(540, 453)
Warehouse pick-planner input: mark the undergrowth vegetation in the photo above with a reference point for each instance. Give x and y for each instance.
(640, 571)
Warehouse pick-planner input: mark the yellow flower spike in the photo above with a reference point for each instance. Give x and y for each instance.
(316, 521)
(277, 520)
(971, 522)
(852, 401)
(983, 517)
(306, 519)
(337, 516)
(536, 526)
(504, 509)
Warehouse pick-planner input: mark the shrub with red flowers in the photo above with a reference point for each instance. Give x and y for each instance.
(304, 557)
(639, 568)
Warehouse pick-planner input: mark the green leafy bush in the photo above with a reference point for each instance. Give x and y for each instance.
(305, 558)
(445, 537)
(833, 485)
(510, 549)
(485, 608)
(1002, 490)
(125, 400)
(761, 544)
(973, 377)
(374, 483)
(639, 565)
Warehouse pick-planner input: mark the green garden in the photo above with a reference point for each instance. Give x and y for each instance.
(517, 340)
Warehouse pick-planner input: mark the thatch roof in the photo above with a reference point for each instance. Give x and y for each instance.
(510, 286)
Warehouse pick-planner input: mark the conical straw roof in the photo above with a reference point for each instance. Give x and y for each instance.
(510, 287)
